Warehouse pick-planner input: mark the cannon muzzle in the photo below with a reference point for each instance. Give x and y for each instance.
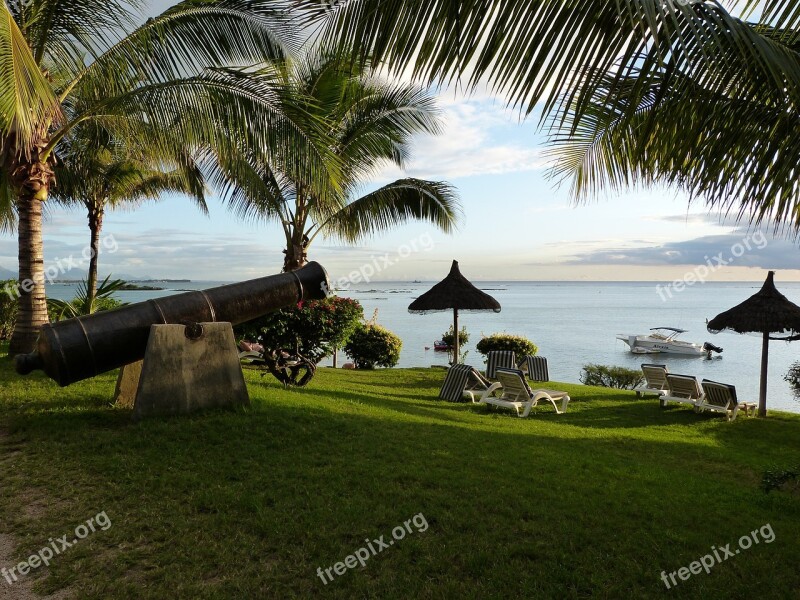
(76, 349)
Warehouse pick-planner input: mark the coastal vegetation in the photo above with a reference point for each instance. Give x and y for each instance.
(86, 301)
(595, 502)
(99, 173)
(521, 346)
(167, 83)
(314, 329)
(611, 376)
(370, 124)
(371, 345)
(629, 93)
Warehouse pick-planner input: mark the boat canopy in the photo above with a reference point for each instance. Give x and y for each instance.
(675, 329)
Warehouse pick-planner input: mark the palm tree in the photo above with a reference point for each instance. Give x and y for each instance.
(99, 173)
(371, 123)
(63, 64)
(695, 96)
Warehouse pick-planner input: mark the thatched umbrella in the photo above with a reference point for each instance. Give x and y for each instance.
(454, 293)
(768, 313)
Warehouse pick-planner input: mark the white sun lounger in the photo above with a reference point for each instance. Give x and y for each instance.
(721, 397)
(518, 395)
(683, 389)
(655, 380)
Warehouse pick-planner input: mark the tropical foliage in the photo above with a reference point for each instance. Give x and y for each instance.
(8, 307)
(449, 337)
(371, 346)
(314, 328)
(632, 91)
(610, 376)
(521, 346)
(370, 124)
(86, 301)
(793, 375)
(98, 172)
(63, 64)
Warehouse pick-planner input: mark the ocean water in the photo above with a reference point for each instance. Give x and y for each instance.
(575, 323)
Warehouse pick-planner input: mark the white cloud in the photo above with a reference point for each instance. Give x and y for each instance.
(466, 148)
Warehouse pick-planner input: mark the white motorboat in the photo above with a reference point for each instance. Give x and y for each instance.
(663, 340)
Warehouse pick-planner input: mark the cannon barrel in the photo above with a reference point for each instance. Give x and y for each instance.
(76, 349)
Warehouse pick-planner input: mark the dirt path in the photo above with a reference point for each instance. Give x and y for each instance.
(22, 588)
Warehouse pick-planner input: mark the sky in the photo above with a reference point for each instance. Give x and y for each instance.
(518, 224)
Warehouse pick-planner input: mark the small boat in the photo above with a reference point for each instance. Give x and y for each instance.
(441, 346)
(663, 340)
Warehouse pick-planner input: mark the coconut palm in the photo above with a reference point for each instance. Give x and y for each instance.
(101, 173)
(69, 62)
(696, 97)
(371, 124)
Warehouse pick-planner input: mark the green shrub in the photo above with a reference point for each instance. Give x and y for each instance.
(372, 345)
(79, 306)
(793, 376)
(503, 341)
(8, 308)
(313, 328)
(612, 377)
(449, 337)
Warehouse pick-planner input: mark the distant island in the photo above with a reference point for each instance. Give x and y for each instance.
(136, 287)
(161, 280)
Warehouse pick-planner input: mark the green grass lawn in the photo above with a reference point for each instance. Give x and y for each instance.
(594, 503)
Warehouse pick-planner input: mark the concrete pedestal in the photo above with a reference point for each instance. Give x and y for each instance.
(180, 375)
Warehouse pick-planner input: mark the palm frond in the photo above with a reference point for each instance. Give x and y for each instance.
(576, 60)
(26, 98)
(188, 38)
(394, 204)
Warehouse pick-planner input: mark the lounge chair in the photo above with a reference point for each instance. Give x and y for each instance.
(499, 359)
(683, 389)
(655, 380)
(536, 368)
(463, 380)
(721, 397)
(518, 395)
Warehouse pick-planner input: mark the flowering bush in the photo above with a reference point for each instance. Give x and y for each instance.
(503, 341)
(372, 345)
(312, 328)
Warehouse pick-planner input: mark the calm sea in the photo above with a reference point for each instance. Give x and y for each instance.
(575, 323)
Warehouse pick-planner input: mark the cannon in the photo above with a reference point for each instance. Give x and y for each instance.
(83, 347)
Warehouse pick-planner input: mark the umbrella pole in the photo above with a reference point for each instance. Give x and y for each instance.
(762, 396)
(455, 337)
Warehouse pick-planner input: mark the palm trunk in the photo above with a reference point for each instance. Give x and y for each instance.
(296, 256)
(32, 305)
(31, 180)
(95, 226)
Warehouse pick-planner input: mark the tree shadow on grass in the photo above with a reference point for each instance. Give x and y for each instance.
(327, 480)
